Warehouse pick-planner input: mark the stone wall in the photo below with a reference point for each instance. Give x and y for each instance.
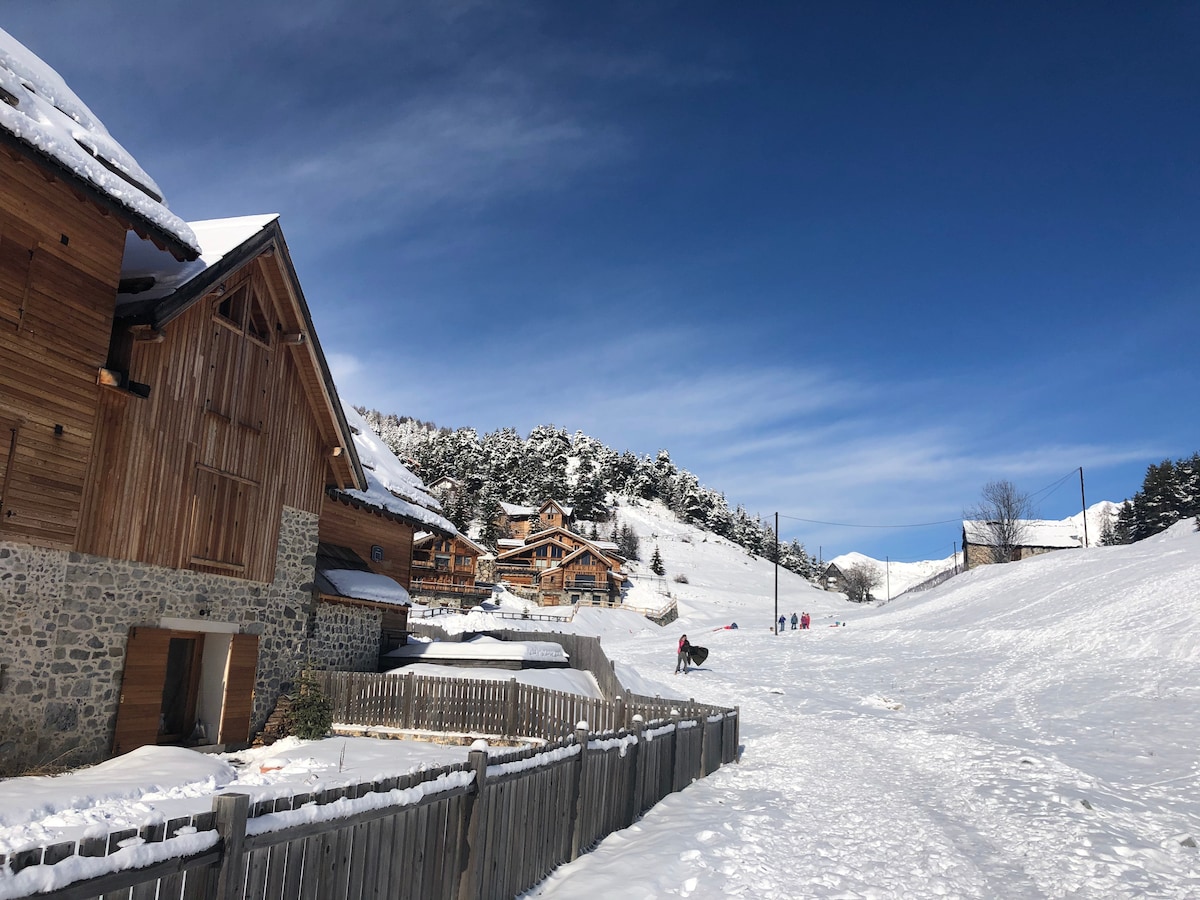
(346, 638)
(64, 623)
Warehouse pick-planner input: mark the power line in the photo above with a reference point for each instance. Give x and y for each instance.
(854, 525)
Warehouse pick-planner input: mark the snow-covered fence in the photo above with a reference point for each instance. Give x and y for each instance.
(503, 709)
(489, 828)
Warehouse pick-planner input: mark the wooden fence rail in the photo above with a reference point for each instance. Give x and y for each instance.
(486, 829)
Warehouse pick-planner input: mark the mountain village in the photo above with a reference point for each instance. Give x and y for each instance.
(199, 537)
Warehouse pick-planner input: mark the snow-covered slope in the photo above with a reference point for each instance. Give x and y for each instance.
(1021, 731)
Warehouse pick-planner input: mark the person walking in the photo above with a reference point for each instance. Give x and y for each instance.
(782, 622)
(795, 621)
(682, 657)
(805, 621)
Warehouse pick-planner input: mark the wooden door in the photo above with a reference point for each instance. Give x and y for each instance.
(241, 672)
(142, 689)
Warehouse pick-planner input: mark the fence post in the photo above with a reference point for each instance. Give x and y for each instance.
(581, 738)
(406, 714)
(637, 775)
(231, 811)
(703, 720)
(675, 754)
(620, 715)
(510, 717)
(471, 830)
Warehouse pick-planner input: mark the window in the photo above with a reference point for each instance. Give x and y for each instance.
(221, 516)
(239, 358)
(585, 580)
(586, 559)
(556, 552)
(541, 551)
(442, 562)
(461, 561)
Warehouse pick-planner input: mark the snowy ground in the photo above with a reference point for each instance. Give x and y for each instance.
(1021, 731)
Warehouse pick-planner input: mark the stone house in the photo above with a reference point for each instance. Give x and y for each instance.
(168, 428)
(1036, 536)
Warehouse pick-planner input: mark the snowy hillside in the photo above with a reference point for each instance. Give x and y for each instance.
(1021, 731)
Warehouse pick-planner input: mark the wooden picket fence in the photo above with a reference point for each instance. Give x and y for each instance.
(486, 829)
(506, 709)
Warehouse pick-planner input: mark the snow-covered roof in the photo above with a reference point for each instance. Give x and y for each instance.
(509, 543)
(390, 485)
(566, 510)
(512, 509)
(483, 647)
(358, 585)
(421, 537)
(44, 114)
(1034, 533)
(216, 238)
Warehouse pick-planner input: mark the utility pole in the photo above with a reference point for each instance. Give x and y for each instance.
(956, 557)
(1083, 500)
(775, 623)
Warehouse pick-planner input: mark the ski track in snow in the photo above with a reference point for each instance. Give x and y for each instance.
(952, 746)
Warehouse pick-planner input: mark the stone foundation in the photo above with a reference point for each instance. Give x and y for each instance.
(346, 638)
(64, 623)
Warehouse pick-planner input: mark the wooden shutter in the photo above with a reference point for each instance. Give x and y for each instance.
(141, 689)
(241, 671)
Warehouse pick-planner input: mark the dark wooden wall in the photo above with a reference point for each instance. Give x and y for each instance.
(60, 261)
(360, 529)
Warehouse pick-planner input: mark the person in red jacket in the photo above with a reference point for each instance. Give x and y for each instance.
(683, 656)
(804, 621)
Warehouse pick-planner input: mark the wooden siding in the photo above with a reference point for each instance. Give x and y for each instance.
(203, 466)
(361, 529)
(60, 260)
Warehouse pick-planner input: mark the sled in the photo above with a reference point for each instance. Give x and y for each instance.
(698, 655)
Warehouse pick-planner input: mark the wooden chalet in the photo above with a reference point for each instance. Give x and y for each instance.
(168, 427)
(371, 531)
(445, 570)
(518, 522)
(558, 566)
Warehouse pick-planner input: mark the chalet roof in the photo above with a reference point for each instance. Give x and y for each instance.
(1034, 533)
(565, 510)
(509, 543)
(42, 119)
(424, 537)
(533, 545)
(391, 488)
(227, 246)
(512, 509)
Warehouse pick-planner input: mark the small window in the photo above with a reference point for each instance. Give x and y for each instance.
(376, 553)
(556, 552)
(541, 551)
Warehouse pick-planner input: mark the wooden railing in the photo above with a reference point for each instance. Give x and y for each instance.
(441, 834)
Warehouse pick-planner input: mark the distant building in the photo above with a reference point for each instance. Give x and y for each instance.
(1038, 536)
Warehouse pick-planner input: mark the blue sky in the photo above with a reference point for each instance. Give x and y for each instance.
(846, 261)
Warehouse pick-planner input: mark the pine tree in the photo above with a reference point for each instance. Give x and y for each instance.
(656, 563)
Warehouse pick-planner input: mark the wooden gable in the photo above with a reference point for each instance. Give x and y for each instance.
(225, 431)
